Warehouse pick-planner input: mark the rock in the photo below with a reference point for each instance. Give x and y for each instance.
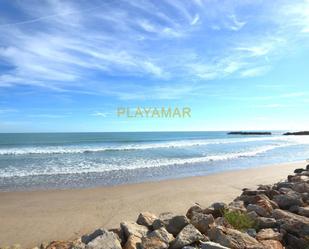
(280, 185)
(157, 239)
(237, 206)
(294, 242)
(260, 200)
(233, 238)
(301, 187)
(218, 209)
(264, 187)
(88, 237)
(173, 223)
(202, 221)
(146, 219)
(59, 245)
(291, 198)
(108, 240)
(299, 170)
(257, 209)
(212, 245)
(153, 243)
(131, 228)
(188, 235)
(272, 244)
(133, 242)
(221, 221)
(298, 178)
(264, 202)
(292, 223)
(303, 211)
(268, 234)
(196, 208)
(119, 232)
(263, 222)
(163, 234)
(251, 232)
(293, 209)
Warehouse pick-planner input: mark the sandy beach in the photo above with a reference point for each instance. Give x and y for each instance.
(29, 218)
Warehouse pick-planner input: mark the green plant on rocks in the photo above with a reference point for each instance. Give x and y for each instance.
(240, 221)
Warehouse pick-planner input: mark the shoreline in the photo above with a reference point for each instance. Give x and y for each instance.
(38, 216)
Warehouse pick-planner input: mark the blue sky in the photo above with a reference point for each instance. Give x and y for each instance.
(68, 65)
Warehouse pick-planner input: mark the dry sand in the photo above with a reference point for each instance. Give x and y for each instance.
(29, 218)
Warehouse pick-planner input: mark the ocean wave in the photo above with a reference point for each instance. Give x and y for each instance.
(142, 146)
(90, 167)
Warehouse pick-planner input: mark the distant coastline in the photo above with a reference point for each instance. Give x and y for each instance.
(248, 133)
(298, 133)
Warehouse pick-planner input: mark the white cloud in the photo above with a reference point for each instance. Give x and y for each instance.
(67, 47)
(253, 72)
(236, 24)
(100, 114)
(195, 19)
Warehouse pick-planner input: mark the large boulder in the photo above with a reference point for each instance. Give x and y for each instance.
(157, 239)
(272, 244)
(173, 223)
(268, 234)
(301, 187)
(194, 209)
(188, 235)
(262, 222)
(288, 199)
(233, 238)
(131, 228)
(162, 234)
(202, 221)
(295, 242)
(261, 200)
(146, 219)
(108, 240)
(292, 223)
(258, 209)
(153, 243)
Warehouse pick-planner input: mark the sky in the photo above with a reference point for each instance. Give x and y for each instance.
(66, 66)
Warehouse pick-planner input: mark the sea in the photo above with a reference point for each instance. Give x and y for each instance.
(35, 161)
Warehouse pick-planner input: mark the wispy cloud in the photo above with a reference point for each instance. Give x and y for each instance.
(100, 114)
(236, 24)
(92, 48)
(253, 72)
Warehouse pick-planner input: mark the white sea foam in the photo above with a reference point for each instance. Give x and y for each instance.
(91, 167)
(69, 149)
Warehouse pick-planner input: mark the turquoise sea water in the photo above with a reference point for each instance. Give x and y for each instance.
(74, 160)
